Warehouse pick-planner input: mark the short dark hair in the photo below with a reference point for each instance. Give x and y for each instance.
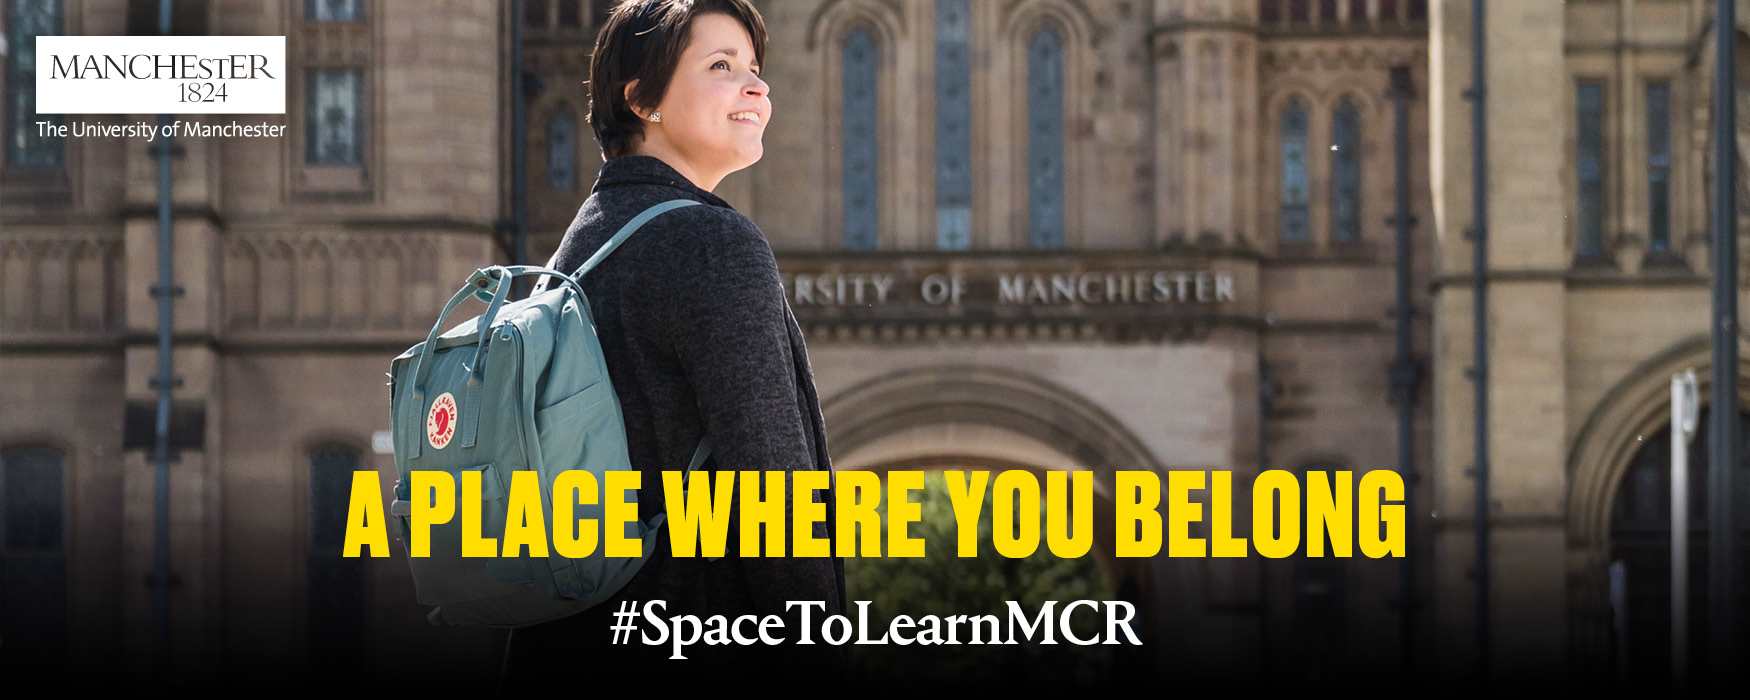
(642, 40)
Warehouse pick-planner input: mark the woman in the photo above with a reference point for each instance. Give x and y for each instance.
(698, 336)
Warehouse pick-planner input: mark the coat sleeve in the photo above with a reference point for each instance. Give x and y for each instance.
(727, 323)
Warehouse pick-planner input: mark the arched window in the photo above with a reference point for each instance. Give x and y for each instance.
(1346, 172)
(33, 561)
(335, 130)
(861, 140)
(1590, 167)
(953, 125)
(562, 149)
(336, 596)
(1045, 138)
(1294, 180)
(26, 149)
(1659, 165)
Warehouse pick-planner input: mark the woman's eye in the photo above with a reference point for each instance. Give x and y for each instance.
(725, 64)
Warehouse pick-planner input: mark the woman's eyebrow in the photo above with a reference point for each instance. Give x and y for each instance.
(732, 52)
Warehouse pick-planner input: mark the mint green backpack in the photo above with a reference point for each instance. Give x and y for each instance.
(522, 386)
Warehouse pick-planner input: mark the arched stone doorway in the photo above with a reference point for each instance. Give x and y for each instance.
(969, 417)
(1618, 510)
(1640, 553)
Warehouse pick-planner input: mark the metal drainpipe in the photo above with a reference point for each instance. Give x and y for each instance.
(1405, 371)
(519, 146)
(1479, 374)
(1266, 404)
(165, 292)
(1724, 413)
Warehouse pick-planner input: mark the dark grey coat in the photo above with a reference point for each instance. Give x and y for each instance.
(698, 338)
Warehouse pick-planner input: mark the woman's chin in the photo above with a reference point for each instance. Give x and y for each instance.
(750, 155)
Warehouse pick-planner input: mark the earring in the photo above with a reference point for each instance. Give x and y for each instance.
(656, 117)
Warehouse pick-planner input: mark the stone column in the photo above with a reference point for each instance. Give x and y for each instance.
(1206, 96)
(1526, 83)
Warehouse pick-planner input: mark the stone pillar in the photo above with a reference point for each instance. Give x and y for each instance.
(1206, 147)
(1205, 82)
(1526, 86)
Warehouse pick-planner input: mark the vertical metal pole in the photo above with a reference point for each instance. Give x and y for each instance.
(519, 147)
(1266, 405)
(1404, 373)
(1683, 416)
(165, 293)
(1723, 432)
(1480, 323)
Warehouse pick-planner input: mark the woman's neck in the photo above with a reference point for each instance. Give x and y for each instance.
(662, 151)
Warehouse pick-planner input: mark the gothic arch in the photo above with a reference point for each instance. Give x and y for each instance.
(1078, 32)
(1024, 17)
(830, 21)
(1606, 442)
(828, 29)
(1002, 398)
(929, 417)
(1601, 453)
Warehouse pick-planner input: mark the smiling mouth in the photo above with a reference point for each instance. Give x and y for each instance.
(748, 117)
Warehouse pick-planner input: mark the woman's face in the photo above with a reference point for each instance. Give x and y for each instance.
(716, 109)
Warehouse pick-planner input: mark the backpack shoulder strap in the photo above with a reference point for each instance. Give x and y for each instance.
(627, 230)
(699, 453)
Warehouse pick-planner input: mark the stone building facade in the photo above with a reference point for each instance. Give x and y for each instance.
(1036, 233)
(1598, 179)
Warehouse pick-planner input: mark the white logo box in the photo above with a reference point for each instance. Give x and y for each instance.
(160, 75)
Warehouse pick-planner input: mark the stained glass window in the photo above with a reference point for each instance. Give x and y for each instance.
(25, 147)
(1346, 172)
(333, 10)
(1294, 176)
(333, 128)
(1589, 168)
(953, 125)
(861, 59)
(1045, 139)
(562, 150)
(1659, 165)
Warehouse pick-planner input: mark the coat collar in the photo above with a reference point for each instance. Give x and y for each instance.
(649, 170)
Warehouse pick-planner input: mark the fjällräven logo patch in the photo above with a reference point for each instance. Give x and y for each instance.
(440, 421)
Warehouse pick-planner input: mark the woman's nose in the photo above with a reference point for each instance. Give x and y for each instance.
(758, 88)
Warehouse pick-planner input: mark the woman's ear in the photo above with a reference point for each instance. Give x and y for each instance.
(629, 103)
